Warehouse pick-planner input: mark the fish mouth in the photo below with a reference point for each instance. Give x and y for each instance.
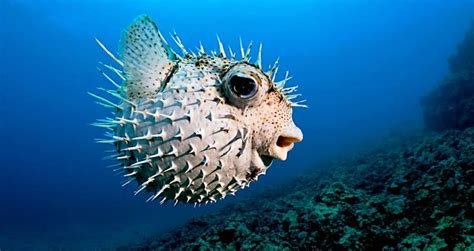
(284, 143)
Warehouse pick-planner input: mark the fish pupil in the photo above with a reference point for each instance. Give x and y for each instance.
(243, 87)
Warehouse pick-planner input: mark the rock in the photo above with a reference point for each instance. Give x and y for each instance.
(451, 104)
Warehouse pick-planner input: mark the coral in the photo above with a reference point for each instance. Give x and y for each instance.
(412, 192)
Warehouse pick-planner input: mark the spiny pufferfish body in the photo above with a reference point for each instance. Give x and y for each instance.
(193, 128)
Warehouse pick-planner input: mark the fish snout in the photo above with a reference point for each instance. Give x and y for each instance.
(285, 142)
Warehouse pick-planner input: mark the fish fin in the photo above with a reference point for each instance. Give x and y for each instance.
(147, 59)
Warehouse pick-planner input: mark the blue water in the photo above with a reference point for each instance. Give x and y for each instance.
(362, 66)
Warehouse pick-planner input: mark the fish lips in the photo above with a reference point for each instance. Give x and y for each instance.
(285, 142)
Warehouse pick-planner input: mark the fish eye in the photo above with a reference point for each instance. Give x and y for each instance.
(243, 87)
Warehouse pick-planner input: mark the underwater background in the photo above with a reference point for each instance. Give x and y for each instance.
(363, 66)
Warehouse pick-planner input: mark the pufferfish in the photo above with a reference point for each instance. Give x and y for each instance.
(193, 128)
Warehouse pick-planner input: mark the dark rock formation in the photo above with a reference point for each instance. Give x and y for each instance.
(411, 192)
(451, 104)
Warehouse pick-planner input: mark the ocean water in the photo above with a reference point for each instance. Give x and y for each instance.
(362, 66)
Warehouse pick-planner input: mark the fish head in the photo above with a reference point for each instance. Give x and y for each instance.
(262, 109)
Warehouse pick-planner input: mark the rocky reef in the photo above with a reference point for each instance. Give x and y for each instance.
(410, 192)
(451, 104)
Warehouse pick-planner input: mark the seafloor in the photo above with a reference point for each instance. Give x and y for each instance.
(409, 192)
